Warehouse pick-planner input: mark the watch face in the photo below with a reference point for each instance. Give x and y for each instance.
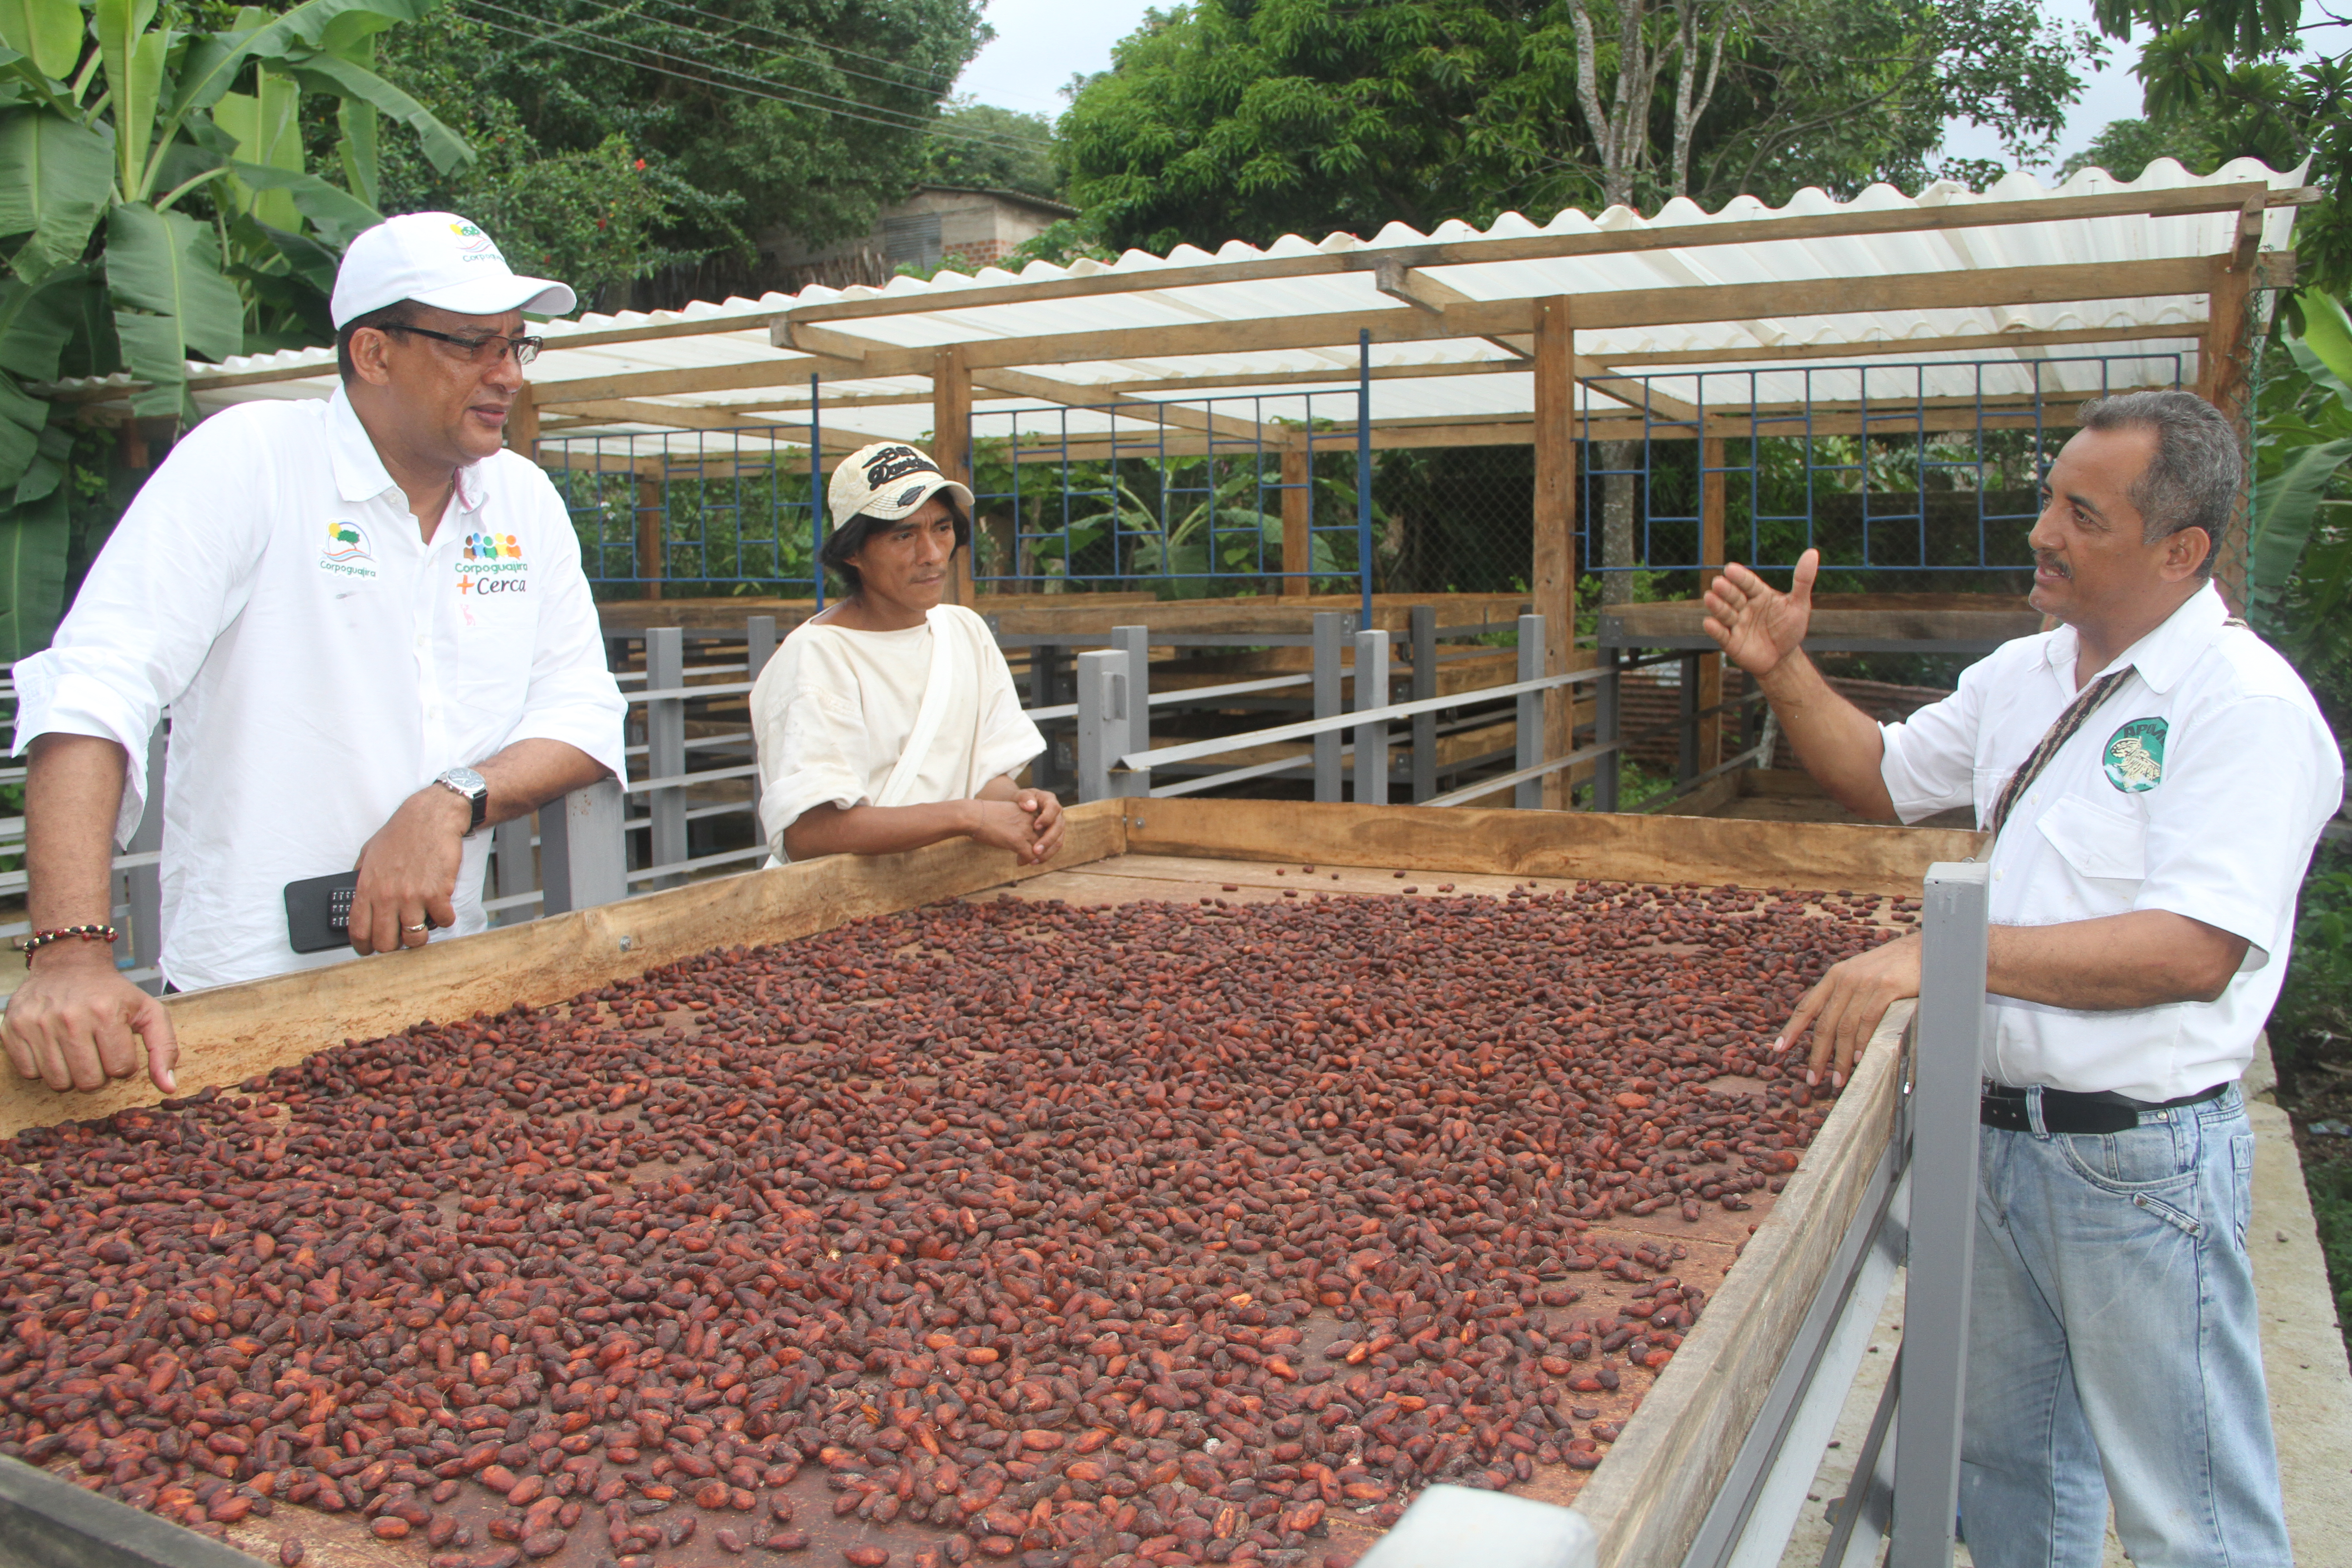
(466, 780)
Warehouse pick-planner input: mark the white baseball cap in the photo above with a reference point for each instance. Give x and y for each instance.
(888, 480)
(442, 261)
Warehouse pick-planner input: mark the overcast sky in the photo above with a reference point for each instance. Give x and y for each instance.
(1040, 44)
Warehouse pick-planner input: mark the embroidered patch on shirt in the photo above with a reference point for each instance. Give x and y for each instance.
(2135, 755)
(345, 553)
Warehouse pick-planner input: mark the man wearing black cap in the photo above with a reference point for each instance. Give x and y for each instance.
(369, 624)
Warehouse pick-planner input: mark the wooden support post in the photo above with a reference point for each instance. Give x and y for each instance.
(2222, 365)
(1554, 572)
(651, 505)
(952, 447)
(522, 424)
(1297, 515)
(1711, 559)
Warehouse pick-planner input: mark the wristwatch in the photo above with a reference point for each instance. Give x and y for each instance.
(475, 789)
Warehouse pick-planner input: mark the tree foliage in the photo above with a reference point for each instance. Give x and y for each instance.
(2222, 77)
(750, 114)
(1257, 118)
(588, 215)
(983, 147)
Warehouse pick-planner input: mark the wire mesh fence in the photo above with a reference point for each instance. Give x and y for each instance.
(1210, 496)
(1901, 483)
(705, 512)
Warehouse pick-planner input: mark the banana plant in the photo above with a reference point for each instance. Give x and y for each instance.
(2299, 553)
(154, 206)
(1219, 535)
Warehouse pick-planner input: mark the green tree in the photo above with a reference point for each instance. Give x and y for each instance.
(987, 148)
(2225, 77)
(153, 184)
(588, 215)
(1258, 118)
(751, 115)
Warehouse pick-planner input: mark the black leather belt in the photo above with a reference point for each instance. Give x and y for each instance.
(2064, 1110)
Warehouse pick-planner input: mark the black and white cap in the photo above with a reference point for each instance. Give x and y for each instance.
(889, 480)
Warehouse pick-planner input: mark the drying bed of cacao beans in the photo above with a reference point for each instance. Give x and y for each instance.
(1081, 1238)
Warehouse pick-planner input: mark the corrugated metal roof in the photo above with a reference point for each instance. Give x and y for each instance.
(1238, 314)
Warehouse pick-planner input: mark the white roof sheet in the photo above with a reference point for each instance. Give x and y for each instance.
(1227, 295)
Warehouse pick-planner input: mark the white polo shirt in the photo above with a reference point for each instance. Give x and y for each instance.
(320, 662)
(2199, 786)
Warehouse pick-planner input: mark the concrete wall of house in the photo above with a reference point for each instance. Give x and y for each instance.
(935, 226)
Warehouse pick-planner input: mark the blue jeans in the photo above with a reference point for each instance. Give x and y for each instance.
(2113, 1350)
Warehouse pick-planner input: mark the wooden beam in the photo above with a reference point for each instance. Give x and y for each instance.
(2188, 200)
(1076, 395)
(1596, 377)
(1297, 520)
(1553, 569)
(1605, 846)
(522, 425)
(951, 448)
(2222, 365)
(1613, 309)
(1875, 350)
(651, 504)
(1342, 377)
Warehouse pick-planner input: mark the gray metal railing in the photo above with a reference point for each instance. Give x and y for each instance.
(1918, 1210)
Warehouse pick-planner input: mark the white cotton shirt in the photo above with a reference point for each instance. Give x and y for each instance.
(834, 710)
(320, 662)
(2199, 786)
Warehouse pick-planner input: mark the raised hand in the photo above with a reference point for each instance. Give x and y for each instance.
(1757, 626)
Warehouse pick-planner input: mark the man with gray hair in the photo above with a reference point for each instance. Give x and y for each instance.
(2154, 778)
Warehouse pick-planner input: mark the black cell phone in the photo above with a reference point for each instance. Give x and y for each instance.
(318, 912)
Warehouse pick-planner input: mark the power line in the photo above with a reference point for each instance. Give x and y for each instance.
(946, 78)
(931, 127)
(913, 121)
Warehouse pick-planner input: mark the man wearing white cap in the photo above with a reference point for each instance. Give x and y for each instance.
(370, 624)
(889, 721)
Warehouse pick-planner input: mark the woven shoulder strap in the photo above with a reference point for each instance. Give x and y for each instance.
(2078, 713)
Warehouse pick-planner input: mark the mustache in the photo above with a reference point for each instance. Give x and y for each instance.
(2044, 561)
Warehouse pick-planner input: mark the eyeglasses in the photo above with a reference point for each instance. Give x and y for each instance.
(489, 349)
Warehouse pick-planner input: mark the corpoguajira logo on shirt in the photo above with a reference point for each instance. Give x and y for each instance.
(491, 562)
(345, 553)
(2134, 758)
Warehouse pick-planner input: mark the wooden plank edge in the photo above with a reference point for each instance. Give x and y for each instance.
(1648, 1498)
(230, 1033)
(1591, 845)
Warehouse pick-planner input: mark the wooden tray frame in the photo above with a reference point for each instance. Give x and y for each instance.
(1647, 1498)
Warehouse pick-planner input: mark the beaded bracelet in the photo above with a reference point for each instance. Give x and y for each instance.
(41, 939)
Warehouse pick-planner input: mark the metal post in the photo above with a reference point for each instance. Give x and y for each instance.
(1134, 642)
(511, 870)
(1528, 795)
(1103, 696)
(1363, 472)
(1371, 739)
(582, 849)
(1687, 756)
(143, 885)
(759, 644)
(1423, 629)
(759, 647)
(816, 493)
(666, 748)
(1605, 728)
(1947, 1064)
(1330, 638)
